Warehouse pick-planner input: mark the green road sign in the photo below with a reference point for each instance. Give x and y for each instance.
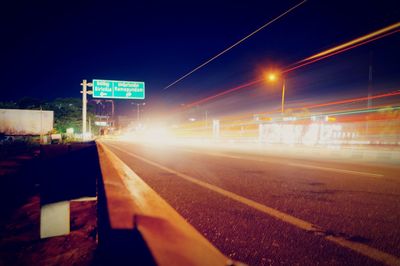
(118, 89)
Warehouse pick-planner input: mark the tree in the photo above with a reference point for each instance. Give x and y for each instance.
(67, 111)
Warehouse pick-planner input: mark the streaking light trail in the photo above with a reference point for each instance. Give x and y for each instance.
(351, 100)
(315, 59)
(395, 28)
(235, 44)
(325, 104)
(223, 93)
(390, 29)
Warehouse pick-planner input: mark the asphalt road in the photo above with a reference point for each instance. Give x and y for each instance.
(265, 210)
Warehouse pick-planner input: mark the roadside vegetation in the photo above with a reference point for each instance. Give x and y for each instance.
(67, 111)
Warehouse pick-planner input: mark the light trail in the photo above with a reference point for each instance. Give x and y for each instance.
(358, 111)
(351, 111)
(249, 121)
(305, 63)
(350, 100)
(330, 129)
(235, 44)
(223, 93)
(315, 58)
(332, 113)
(362, 39)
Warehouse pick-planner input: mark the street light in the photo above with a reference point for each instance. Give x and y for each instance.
(138, 109)
(272, 77)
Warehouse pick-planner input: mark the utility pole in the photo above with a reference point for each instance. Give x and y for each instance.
(369, 101)
(370, 81)
(112, 111)
(138, 110)
(84, 102)
(84, 92)
(283, 96)
(90, 127)
(41, 125)
(206, 119)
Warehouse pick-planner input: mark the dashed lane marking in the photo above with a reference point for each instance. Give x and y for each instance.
(337, 170)
(308, 166)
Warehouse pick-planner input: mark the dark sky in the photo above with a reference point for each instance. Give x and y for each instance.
(48, 47)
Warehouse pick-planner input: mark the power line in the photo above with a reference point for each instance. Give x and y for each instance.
(235, 44)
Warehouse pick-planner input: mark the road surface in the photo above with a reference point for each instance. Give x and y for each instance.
(265, 210)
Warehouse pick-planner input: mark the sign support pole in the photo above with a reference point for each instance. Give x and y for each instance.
(84, 102)
(84, 92)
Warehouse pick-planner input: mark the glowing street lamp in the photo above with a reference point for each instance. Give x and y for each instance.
(272, 77)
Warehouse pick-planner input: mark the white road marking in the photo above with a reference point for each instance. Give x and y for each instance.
(308, 166)
(337, 170)
(363, 249)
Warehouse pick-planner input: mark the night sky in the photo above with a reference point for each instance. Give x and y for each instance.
(48, 47)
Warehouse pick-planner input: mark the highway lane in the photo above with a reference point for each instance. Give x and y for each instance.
(357, 203)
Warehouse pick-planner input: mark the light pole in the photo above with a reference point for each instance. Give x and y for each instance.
(283, 95)
(206, 114)
(273, 77)
(84, 103)
(138, 110)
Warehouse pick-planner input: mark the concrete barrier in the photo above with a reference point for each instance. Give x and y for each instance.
(136, 226)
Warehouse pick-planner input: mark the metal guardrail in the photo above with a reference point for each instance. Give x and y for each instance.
(137, 225)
